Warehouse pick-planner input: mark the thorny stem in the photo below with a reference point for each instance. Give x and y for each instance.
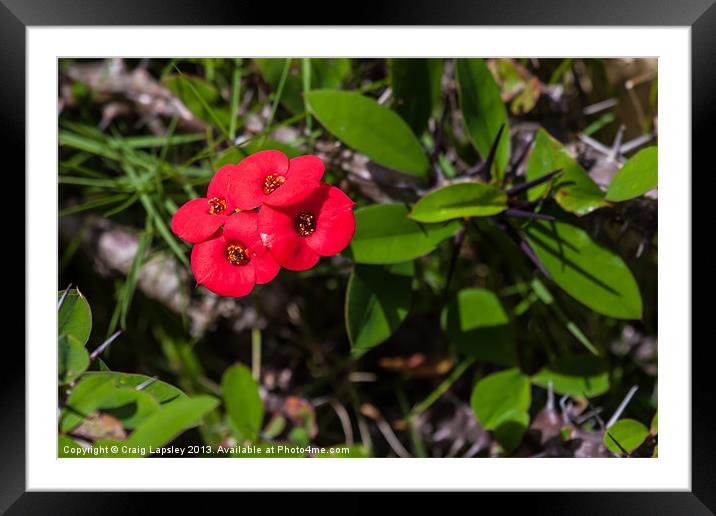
(97, 352)
(439, 178)
(531, 184)
(620, 409)
(457, 242)
(512, 170)
(64, 296)
(624, 451)
(522, 214)
(483, 169)
(146, 383)
(525, 248)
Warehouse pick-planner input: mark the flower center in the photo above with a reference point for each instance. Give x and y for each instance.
(272, 182)
(305, 223)
(237, 254)
(217, 205)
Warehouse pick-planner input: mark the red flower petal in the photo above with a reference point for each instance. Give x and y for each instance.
(212, 269)
(243, 228)
(193, 222)
(335, 222)
(303, 177)
(276, 226)
(247, 180)
(219, 186)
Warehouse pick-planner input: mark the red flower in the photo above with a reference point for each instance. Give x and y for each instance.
(199, 219)
(268, 177)
(298, 235)
(231, 264)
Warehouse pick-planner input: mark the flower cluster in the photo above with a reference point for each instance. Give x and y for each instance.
(265, 213)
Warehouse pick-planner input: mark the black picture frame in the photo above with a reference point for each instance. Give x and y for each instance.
(700, 15)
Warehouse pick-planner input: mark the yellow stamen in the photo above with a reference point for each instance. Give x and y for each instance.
(272, 182)
(237, 254)
(305, 224)
(217, 205)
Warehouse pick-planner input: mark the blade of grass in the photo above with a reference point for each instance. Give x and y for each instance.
(279, 93)
(101, 148)
(559, 71)
(145, 240)
(86, 181)
(169, 141)
(306, 83)
(415, 437)
(235, 95)
(126, 204)
(142, 142)
(161, 226)
(96, 203)
(164, 231)
(541, 291)
(441, 389)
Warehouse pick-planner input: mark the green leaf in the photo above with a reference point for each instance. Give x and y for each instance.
(130, 406)
(476, 323)
(366, 126)
(75, 316)
(85, 398)
(459, 200)
(511, 429)
(201, 98)
(72, 359)
(575, 375)
(574, 189)
(377, 301)
(116, 394)
(242, 401)
(483, 110)
(299, 436)
(655, 424)
(384, 234)
(496, 397)
(638, 175)
(275, 426)
(630, 434)
(161, 391)
(591, 274)
(416, 89)
(168, 423)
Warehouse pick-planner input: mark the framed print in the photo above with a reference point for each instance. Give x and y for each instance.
(411, 251)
